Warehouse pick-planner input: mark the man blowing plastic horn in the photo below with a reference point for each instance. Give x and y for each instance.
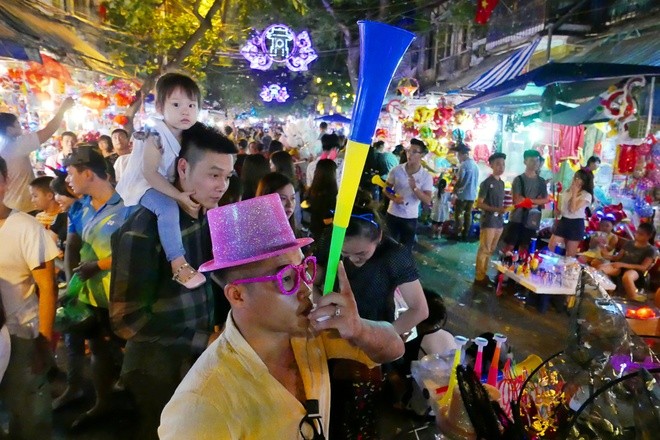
(267, 374)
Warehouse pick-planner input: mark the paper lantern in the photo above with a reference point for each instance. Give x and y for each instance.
(43, 96)
(15, 75)
(442, 115)
(395, 108)
(409, 128)
(407, 86)
(36, 79)
(57, 87)
(120, 119)
(94, 101)
(122, 99)
(423, 115)
(382, 133)
(425, 132)
(654, 176)
(627, 159)
(432, 144)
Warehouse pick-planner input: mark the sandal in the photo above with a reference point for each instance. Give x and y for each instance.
(188, 277)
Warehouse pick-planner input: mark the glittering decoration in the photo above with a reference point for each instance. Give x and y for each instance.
(542, 403)
(278, 43)
(274, 92)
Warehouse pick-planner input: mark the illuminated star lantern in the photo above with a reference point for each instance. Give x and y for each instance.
(279, 44)
(274, 91)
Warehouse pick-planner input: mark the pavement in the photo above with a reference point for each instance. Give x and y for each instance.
(445, 266)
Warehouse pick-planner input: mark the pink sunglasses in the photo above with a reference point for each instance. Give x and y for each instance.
(288, 278)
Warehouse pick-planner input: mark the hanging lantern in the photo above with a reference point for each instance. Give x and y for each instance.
(57, 87)
(407, 86)
(94, 101)
(120, 120)
(122, 99)
(36, 79)
(396, 109)
(15, 75)
(43, 96)
(382, 133)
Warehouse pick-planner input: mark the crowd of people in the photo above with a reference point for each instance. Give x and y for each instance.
(193, 261)
(168, 239)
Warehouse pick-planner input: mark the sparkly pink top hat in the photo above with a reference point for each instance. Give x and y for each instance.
(249, 231)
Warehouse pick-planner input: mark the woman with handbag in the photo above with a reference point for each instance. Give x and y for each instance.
(570, 228)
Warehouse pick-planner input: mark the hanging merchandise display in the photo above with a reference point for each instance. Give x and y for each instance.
(620, 105)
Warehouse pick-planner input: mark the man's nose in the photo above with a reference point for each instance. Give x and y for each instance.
(304, 290)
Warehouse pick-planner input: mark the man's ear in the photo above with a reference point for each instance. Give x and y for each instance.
(235, 294)
(182, 166)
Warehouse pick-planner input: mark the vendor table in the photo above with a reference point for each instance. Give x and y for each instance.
(534, 284)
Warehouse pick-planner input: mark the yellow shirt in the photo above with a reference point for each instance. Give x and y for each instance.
(229, 393)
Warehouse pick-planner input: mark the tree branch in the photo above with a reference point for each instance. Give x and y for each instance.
(204, 25)
(196, 10)
(181, 54)
(382, 9)
(344, 29)
(352, 57)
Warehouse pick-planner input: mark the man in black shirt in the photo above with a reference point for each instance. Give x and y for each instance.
(167, 325)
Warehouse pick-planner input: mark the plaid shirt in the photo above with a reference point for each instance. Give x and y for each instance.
(146, 305)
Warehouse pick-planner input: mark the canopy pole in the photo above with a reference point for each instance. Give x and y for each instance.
(649, 120)
(552, 165)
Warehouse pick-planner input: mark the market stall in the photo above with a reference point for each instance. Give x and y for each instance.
(602, 385)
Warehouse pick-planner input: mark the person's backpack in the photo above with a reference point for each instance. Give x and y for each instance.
(531, 218)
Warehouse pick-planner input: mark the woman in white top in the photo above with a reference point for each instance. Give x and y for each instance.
(570, 228)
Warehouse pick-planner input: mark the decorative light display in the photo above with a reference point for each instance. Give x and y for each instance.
(274, 91)
(278, 43)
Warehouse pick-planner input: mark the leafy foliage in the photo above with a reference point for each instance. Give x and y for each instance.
(153, 30)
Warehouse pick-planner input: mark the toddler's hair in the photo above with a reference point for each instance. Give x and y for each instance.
(169, 82)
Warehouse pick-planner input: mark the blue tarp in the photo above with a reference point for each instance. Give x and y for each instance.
(574, 78)
(586, 113)
(334, 118)
(11, 49)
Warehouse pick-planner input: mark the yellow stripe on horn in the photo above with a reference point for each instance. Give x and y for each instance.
(356, 156)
